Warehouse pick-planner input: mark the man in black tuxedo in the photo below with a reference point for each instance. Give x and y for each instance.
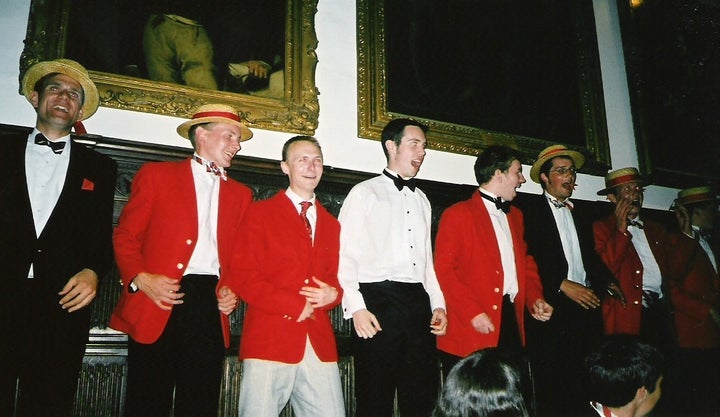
(56, 200)
(573, 277)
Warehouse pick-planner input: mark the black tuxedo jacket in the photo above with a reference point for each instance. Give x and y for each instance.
(78, 233)
(544, 244)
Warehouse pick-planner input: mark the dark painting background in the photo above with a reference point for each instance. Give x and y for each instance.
(507, 66)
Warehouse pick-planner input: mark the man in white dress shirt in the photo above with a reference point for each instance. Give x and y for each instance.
(56, 200)
(390, 288)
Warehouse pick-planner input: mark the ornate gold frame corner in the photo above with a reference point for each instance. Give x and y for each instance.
(297, 111)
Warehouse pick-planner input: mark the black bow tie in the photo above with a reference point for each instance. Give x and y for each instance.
(499, 203)
(400, 183)
(56, 147)
(636, 223)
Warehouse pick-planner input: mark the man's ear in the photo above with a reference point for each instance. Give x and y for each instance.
(611, 197)
(34, 99)
(391, 146)
(544, 178)
(284, 167)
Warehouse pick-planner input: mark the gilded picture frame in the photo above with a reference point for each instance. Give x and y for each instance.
(379, 22)
(295, 111)
(672, 61)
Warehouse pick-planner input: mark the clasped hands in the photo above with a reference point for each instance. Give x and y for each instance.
(163, 291)
(316, 297)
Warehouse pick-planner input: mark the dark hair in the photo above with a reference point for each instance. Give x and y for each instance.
(301, 138)
(493, 158)
(395, 130)
(485, 384)
(43, 82)
(620, 367)
(547, 165)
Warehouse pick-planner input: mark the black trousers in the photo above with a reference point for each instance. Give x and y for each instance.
(187, 359)
(401, 357)
(557, 349)
(40, 353)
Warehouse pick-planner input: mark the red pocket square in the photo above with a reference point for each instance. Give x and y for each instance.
(87, 185)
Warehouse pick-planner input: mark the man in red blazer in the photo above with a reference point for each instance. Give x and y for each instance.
(693, 380)
(483, 267)
(636, 251)
(287, 267)
(175, 236)
(56, 200)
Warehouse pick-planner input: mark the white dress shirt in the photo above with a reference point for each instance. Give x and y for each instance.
(505, 244)
(652, 278)
(45, 173)
(569, 239)
(385, 235)
(204, 259)
(311, 212)
(706, 247)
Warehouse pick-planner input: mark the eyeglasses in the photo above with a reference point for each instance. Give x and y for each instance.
(565, 170)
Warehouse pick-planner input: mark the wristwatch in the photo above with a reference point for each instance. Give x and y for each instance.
(132, 288)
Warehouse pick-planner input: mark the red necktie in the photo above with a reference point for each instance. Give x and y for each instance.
(303, 213)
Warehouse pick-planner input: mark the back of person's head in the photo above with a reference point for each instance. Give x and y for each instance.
(620, 367)
(395, 129)
(496, 157)
(485, 384)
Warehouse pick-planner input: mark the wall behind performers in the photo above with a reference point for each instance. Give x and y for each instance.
(336, 80)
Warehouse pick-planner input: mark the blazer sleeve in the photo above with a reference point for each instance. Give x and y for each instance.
(134, 221)
(610, 244)
(99, 232)
(451, 243)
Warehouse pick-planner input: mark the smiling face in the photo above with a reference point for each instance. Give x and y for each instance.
(58, 105)
(217, 142)
(509, 181)
(560, 179)
(304, 167)
(407, 157)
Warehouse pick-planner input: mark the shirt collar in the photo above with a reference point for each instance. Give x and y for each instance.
(296, 199)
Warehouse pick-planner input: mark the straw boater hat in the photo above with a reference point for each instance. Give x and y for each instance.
(551, 152)
(622, 176)
(215, 113)
(73, 70)
(694, 195)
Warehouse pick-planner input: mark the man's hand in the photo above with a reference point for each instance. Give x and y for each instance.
(162, 290)
(79, 291)
(616, 292)
(227, 300)
(259, 69)
(482, 323)
(307, 313)
(622, 208)
(438, 323)
(541, 310)
(321, 295)
(580, 294)
(366, 324)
